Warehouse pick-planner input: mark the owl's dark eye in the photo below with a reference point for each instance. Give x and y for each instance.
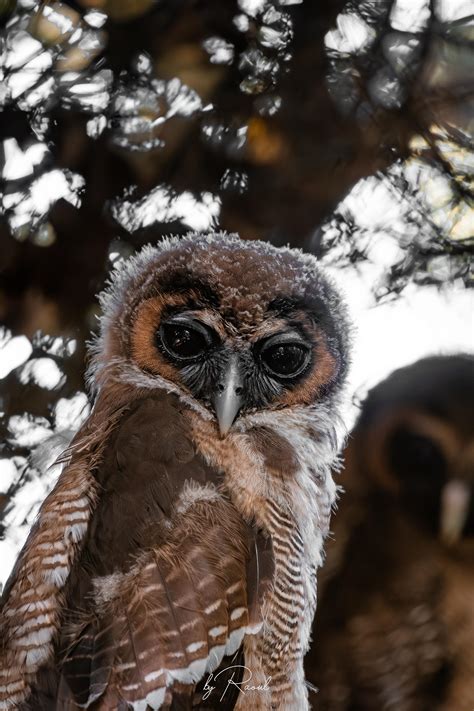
(414, 454)
(285, 356)
(185, 340)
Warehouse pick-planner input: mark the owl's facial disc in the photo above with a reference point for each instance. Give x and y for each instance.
(231, 377)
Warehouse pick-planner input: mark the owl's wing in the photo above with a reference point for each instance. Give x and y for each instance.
(177, 575)
(33, 598)
(169, 621)
(139, 575)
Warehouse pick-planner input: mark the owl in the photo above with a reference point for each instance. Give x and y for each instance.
(174, 563)
(395, 624)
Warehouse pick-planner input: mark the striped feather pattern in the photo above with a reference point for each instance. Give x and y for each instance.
(33, 598)
(289, 498)
(168, 621)
(282, 647)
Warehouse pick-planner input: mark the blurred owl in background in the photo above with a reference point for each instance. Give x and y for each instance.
(175, 559)
(395, 623)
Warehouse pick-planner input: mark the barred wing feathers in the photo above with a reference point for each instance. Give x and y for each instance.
(173, 617)
(165, 581)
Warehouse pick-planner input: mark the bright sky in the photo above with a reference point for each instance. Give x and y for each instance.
(423, 321)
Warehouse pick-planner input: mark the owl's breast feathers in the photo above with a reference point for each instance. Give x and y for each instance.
(161, 580)
(162, 552)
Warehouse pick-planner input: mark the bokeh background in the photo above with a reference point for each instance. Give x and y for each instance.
(344, 128)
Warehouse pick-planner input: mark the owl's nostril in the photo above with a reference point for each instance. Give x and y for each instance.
(220, 387)
(239, 390)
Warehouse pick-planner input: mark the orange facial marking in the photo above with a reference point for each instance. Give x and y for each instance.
(322, 374)
(142, 342)
(146, 323)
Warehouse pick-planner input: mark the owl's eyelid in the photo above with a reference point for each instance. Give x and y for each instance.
(285, 338)
(210, 335)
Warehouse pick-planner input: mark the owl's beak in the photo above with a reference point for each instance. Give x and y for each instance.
(229, 395)
(455, 499)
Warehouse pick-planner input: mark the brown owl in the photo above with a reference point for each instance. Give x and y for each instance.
(395, 624)
(173, 565)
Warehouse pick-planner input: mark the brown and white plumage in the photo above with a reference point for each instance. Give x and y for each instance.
(395, 626)
(185, 531)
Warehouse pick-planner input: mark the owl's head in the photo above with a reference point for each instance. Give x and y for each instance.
(415, 441)
(232, 326)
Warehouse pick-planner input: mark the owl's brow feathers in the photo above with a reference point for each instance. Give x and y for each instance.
(245, 277)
